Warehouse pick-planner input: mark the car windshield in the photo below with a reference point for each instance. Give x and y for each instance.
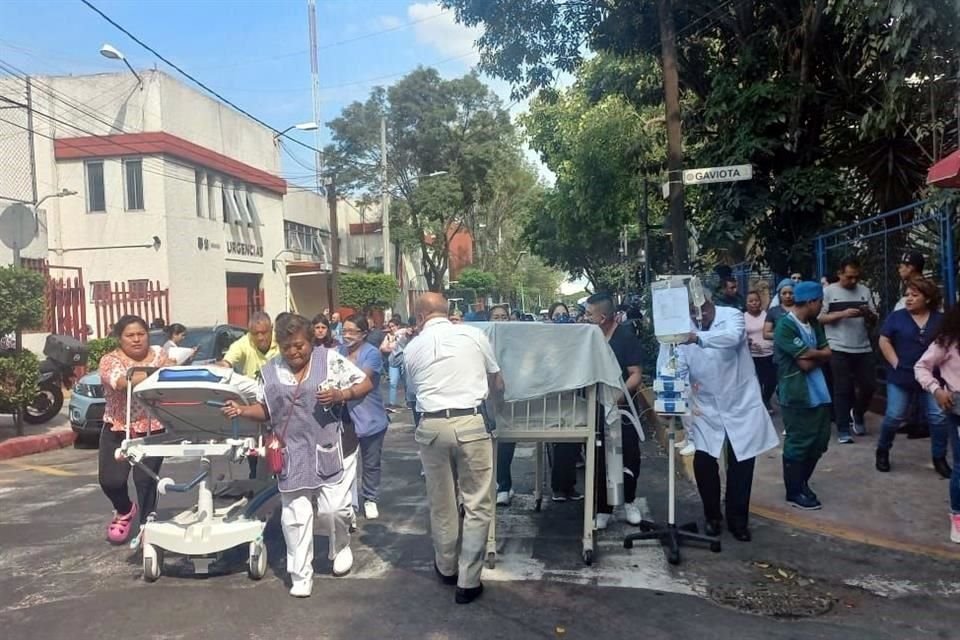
(202, 337)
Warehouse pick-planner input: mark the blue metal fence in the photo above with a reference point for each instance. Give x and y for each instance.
(878, 243)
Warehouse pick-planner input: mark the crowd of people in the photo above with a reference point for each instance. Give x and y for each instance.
(815, 346)
(319, 385)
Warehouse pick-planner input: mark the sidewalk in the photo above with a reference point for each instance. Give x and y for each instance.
(38, 438)
(906, 509)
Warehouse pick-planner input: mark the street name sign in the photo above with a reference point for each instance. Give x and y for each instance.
(707, 175)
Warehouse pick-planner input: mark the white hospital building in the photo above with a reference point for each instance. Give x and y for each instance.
(178, 196)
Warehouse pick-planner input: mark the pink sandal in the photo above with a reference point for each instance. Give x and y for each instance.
(120, 528)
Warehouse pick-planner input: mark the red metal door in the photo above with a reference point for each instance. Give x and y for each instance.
(238, 306)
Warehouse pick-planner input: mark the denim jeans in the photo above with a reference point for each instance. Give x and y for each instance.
(394, 383)
(898, 406)
(371, 455)
(954, 428)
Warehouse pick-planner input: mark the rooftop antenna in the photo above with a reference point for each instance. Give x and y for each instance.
(315, 85)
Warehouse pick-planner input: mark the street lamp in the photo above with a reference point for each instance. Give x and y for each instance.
(303, 126)
(111, 52)
(64, 193)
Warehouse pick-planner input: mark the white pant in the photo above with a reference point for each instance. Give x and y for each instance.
(334, 511)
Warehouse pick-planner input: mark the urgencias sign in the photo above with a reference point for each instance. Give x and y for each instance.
(245, 250)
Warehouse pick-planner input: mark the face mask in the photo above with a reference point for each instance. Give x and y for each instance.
(352, 340)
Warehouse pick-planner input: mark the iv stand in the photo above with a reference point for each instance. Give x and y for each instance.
(669, 534)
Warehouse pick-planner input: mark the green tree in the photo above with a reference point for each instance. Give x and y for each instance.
(363, 290)
(482, 282)
(22, 292)
(598, 145)
(457, 127)
(839, 105)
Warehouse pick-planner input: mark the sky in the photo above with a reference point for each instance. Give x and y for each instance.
(254, 52)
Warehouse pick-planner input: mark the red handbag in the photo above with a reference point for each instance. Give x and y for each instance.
(274, 442)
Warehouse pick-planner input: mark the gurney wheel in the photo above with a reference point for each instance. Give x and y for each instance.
(257, 562)
(588, 557)
(538, 504)
(152, 562)
(491, 560)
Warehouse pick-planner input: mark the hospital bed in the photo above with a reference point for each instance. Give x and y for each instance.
(560, 386)
(188, 400)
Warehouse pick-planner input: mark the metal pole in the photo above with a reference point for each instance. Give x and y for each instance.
(948, 258)
(33, 158)
(384, 198)
(646, 237)
(333, 284)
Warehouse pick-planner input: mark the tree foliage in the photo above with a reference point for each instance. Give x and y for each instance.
(363, 290)
(600, 146)
(839, 105)
(483, 282)
(98, 348)
(19, 375)
(22, 292)
(445, 139)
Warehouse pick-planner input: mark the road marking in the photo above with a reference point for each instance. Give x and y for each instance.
(50, 471)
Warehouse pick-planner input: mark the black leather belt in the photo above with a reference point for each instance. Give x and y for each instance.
(452, 413)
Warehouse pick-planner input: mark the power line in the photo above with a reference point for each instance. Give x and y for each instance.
(194, 80)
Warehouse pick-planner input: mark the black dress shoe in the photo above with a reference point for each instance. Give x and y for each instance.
(741, 533)
(883, 460)
(713, 528)
(448, 580)
(941, 466)
(466, 596)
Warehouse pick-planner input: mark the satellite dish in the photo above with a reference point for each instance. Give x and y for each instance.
(18, 226)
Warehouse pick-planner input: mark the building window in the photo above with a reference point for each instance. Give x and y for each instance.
(96, 194)
(224, 197)
(100, 291)
(252, 210)
(138, 289)
(133, 176)
(240, 199)
(304, 239)
(212, 196)
(201, 191)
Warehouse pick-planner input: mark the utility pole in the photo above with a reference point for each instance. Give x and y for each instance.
(645, 221)
(384, 198)
(333, 284)
(671, 90)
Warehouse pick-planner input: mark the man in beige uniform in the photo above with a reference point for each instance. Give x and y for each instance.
(449, 365)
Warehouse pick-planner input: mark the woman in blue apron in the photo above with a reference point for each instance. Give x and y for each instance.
(303, 396)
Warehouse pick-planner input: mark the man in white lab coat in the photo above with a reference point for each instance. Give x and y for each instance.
(727, 408)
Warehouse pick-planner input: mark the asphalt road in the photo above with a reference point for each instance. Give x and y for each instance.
(60, 579)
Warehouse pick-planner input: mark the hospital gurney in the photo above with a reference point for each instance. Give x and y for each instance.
(568, 416)
(561, 383)
(188, 402)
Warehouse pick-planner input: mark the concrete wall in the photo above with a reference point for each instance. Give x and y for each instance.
(114, 104)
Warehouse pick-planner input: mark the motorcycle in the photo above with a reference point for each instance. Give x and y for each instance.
(63, 354)
(49, 399)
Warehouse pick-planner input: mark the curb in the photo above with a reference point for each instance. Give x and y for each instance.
(28, 445)
(797, 521)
